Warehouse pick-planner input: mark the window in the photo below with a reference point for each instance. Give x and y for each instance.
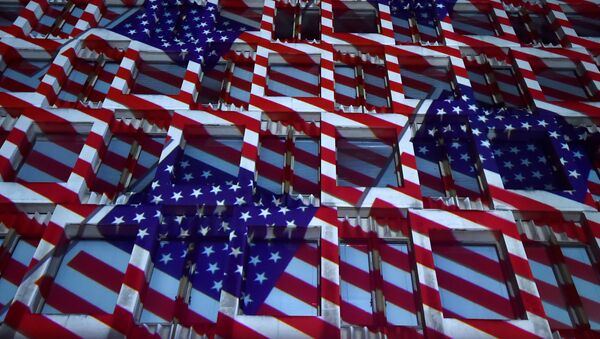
(288, 163)
(564, 80)
(248, 12)
(293, 75)
(89, 276)
(472, 275)
(294, 23)
(52, 156)
(474, 21)
(188, 267)
(376, 276)
(213, 155)
(282, 273)
(158, 77)
(565, 272)
(23, 75)
(367, 161)
(583, 17)
(88, 80)
(60, 20)
(533, 27)
(527, 161)
(9, 12)
(495, 84)
(427, 78)
(361, 84)
(127, 159)
(15, 255)
(355, 17)
(227, 82)
(415, 24)
(447, 166)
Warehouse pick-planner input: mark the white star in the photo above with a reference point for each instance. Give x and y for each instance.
(176, 196)
(275, 257)
(139, 217)
(577, 154)
(217, 285)
(155, 184)
(166, 258)
(184, 164)
(196, 192)
(574, 174)
(485, 143)
(264, 212)
(554, 135)
(169, 169)
(212, 268)
(525, 162)
(235, 187)
(476, 131)
(526, 125)
(260, 278)
(290, 223)
(239, 269)
(142, 232)
(519, 177)
(235, 251)
(188, 177)
(184, 233)
(216, 189)
(456, 109)
(423, 150)
(284, 210)
(206, 174)
(246, 298)
(118, 221)
(157, 199)
(208, 250)
(245, 216)
(440, 112)
(542, 123)
(255, 260)
(536, 174)
(239, 201)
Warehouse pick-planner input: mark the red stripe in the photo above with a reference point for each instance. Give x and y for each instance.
(97, 270)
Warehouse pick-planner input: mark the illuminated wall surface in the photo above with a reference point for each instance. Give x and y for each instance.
(281, 168)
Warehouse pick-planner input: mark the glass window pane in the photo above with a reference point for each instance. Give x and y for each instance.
(281, 278)
(376, 91)
(158, 78)
(51, 159)
(306, 166)
(346, 85)
(586, 280)
(208, 274)
(293, 80)
(270, 165)
(424, 81)
(169, 264)
(548, 286)
(366, 163)
(284, 22)
(310, 28)
(560, 84)
(355, 284)
(400, 308)
(209, 158)
(472, 23)
(211, 85)
(23, 75)
(350, 20)
(13, 271)
(89, 277)
(471, 281)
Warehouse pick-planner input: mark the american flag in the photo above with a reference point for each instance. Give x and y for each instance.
(184, 29)
(273, 268)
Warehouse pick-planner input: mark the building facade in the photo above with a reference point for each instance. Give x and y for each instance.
(288, 168)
